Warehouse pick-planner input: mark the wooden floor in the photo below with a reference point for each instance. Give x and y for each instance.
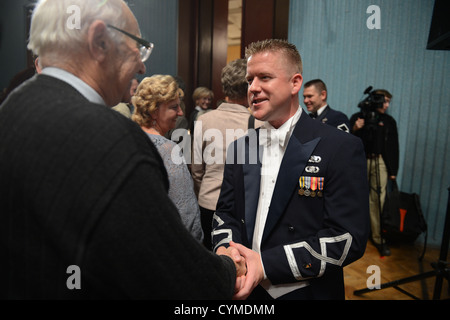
(401, 264)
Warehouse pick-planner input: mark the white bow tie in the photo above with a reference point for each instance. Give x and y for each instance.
(279, 136)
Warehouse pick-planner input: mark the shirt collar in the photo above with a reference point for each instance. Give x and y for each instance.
(82, 87)
(283, 133)
(321, 110)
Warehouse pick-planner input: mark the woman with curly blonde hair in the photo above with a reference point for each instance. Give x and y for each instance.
(157, 101)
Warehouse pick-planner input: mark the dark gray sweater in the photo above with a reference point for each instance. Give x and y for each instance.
(82, 185)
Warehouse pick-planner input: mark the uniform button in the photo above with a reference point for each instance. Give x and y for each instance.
(291, 228)
(243, 222)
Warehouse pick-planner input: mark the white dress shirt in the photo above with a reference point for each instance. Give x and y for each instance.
(273, 143)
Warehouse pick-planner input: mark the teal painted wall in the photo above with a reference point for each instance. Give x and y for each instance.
(158, 20)
(13, 42)
(338, 47)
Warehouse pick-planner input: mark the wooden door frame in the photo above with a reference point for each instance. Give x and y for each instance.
(202, 38)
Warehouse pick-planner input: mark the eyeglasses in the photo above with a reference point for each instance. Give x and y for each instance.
(145, 47)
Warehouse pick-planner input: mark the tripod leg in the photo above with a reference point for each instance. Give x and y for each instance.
(444, 272)
(396, 283)
(377, 172)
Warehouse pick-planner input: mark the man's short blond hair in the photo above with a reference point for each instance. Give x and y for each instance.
(276, 45)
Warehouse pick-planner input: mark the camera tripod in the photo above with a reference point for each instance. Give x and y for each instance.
(441, 267)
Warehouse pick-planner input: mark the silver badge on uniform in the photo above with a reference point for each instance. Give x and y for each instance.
(312, 169)
(315, 159)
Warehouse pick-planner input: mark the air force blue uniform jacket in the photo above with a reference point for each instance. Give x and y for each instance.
(335, 118)
(306, 238)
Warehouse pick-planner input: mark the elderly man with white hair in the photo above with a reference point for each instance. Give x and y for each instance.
(78, 216)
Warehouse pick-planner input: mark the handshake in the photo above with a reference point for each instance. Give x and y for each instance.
(249, 269)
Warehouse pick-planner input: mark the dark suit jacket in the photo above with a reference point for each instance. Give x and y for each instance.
(335, 118)
(380, 136)
(305, 238)
(81, 185)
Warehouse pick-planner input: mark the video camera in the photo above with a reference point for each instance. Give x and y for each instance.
(370, 114)
(373, 102)
(370, 105)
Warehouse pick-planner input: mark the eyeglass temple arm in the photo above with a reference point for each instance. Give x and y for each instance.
(141, 41)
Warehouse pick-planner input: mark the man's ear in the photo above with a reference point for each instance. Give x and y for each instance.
(99, 41)
(297, 81)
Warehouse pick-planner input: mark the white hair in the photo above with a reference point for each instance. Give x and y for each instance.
(60, 26)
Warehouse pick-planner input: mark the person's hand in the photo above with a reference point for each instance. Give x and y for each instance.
(239, 261)
(240, 282)
(254, 275)
(359, 124)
